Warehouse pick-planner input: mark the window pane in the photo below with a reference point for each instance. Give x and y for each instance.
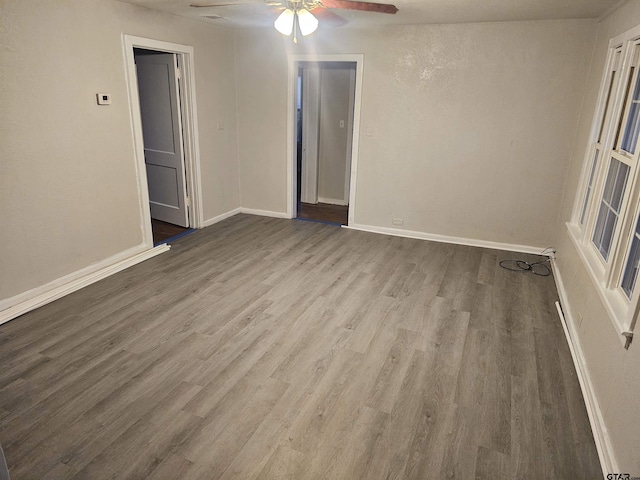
(584, 207)
(610, 206)
(631, 130)
(606, 106)
(618, 189)
(604, 230)
(602, 216)
(626, 95)
(611, 179)
(607, 234)
(631, 269)
(589, 186)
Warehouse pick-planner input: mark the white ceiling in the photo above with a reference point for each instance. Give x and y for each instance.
(410, 11)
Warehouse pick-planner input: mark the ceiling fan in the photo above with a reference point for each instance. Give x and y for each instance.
(303, 15)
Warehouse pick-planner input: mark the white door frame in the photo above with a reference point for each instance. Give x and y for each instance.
(348, 162)
(310, 136)
(189, 128)
(293, 61)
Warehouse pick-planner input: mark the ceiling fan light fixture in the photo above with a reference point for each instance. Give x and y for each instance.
(308, 23)
(284, 23)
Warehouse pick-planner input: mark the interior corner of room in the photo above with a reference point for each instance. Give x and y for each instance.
(125, 127)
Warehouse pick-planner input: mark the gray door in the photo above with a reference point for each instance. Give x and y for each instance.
(162, 130)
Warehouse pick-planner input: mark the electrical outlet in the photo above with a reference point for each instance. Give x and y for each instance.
(103, 98)
(398, 221)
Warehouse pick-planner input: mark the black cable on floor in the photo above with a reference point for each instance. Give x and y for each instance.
(537, 268)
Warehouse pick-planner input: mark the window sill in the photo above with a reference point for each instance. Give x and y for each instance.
(614, 305)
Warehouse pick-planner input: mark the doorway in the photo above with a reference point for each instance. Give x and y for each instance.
(162, 101)
(158, 75)
(324, 101)
(325, 96)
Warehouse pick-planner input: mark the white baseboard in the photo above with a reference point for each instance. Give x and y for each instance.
(249, 211)
(600, 433)
(333, 201)
(434, 237)
(24, 302)
(263, 213)
(219, 218)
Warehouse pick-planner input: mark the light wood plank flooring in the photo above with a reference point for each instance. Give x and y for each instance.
(269, 349)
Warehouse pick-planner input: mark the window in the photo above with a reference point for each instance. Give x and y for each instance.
(631, 267)
(587, 195)
(610, 206)
(606, 222)
(630, 138)
(605, 120)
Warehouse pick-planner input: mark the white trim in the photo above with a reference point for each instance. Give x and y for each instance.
(608, 297)
(292, 141)
(311, 80)
(435, 237)
(604, 446)
(248, 211)
(355, 148)
(191, 140)
(138, 143)
(37, 297)
(293, 59)
(219, 218)
(332, 201)
(264, 213)
(190, 128)
(352, 102)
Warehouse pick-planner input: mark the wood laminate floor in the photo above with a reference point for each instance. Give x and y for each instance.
(163, 230)
(324, 212)
(262, 348)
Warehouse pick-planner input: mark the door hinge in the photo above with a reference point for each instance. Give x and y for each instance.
(188, 201)
(628, 339)
(178, 73)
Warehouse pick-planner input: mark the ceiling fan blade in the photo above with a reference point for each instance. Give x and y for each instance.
(327, 17)
(366, 6)
(231, 4)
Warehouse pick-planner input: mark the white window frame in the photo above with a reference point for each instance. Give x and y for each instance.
(607, 274)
